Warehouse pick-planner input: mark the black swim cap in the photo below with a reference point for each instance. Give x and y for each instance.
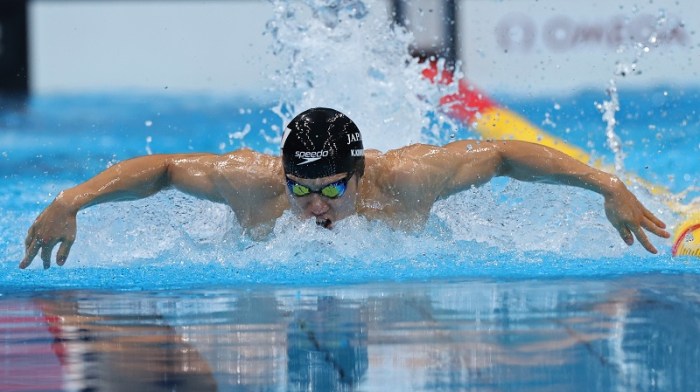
(322, 142)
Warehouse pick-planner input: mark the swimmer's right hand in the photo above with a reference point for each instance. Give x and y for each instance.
(57, 224)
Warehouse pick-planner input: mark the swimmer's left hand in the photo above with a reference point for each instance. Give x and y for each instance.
(630, 217)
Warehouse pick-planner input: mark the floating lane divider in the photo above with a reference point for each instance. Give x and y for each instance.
(477, 111)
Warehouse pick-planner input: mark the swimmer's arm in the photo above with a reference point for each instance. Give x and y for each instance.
(536, 163)
(129, 180)
(144, 176)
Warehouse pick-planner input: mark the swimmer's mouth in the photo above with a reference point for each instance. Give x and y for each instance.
(326, 223)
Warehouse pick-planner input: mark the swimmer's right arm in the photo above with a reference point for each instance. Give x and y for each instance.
(129, 180)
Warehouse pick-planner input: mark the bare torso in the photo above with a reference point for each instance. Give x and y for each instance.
(391, 190)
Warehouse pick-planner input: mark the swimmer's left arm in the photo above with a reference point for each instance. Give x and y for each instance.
(471, 163)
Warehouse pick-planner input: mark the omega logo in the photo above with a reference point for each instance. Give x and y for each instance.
(518, 32)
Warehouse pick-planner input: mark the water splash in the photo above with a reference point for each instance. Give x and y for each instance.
(348, 55)
(636, 50)
(321, 42)
(491, 224)
(608, 109)
(502, 223)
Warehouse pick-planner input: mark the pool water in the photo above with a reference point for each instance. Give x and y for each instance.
(635, 332)
(511, 286)
(167, 294)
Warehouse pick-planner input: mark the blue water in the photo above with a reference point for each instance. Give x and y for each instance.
(562, 334)
(658, 126)
(167, 294)
(38, 161)
(510, 287)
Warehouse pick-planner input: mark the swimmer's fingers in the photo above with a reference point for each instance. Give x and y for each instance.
(30, 237)
(46, 250)
(631, 218)
(642, 238)
(625, 233)
(63, 251)
(655, 227)
(656, 221)
(30, 253)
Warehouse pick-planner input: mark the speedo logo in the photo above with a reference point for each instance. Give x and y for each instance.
(310, 156)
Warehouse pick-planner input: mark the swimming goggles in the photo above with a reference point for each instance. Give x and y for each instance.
(331, 191)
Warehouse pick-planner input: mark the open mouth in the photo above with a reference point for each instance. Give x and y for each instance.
(324, 222)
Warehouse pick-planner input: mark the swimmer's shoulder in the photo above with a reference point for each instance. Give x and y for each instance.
(413, 170)
(246, 164)
(246, 157)
(374, 162)
(413, 157)
(252, 184)
(400, 159)
(386, 170)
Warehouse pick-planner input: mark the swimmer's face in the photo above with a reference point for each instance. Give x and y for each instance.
(320, 203)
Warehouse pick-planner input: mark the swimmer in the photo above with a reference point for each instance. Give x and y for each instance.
(324, 173)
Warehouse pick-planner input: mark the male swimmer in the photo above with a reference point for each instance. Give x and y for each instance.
(325, 174)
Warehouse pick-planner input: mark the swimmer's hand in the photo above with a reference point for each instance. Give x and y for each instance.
(57, 224)
(629, 216)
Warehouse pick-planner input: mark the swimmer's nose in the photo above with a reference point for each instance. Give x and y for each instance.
(317, 206)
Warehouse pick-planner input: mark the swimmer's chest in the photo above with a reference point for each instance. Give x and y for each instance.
(398, 211)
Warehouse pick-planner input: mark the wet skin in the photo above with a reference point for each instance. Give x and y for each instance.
(324, 210)
(398, 187)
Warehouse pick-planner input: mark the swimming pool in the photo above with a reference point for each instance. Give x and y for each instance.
(169, 282)
(510, 286)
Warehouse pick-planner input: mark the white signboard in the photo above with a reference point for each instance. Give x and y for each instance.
(534, 47)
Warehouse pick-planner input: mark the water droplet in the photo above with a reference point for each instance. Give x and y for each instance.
(148, 145)
(148, 123)
(470, 147)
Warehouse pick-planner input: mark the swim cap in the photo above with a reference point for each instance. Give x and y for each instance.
(322, 142)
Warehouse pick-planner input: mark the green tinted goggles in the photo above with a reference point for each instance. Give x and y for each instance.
(330, 191)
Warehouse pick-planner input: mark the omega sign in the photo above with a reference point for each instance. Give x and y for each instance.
(519, 32)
